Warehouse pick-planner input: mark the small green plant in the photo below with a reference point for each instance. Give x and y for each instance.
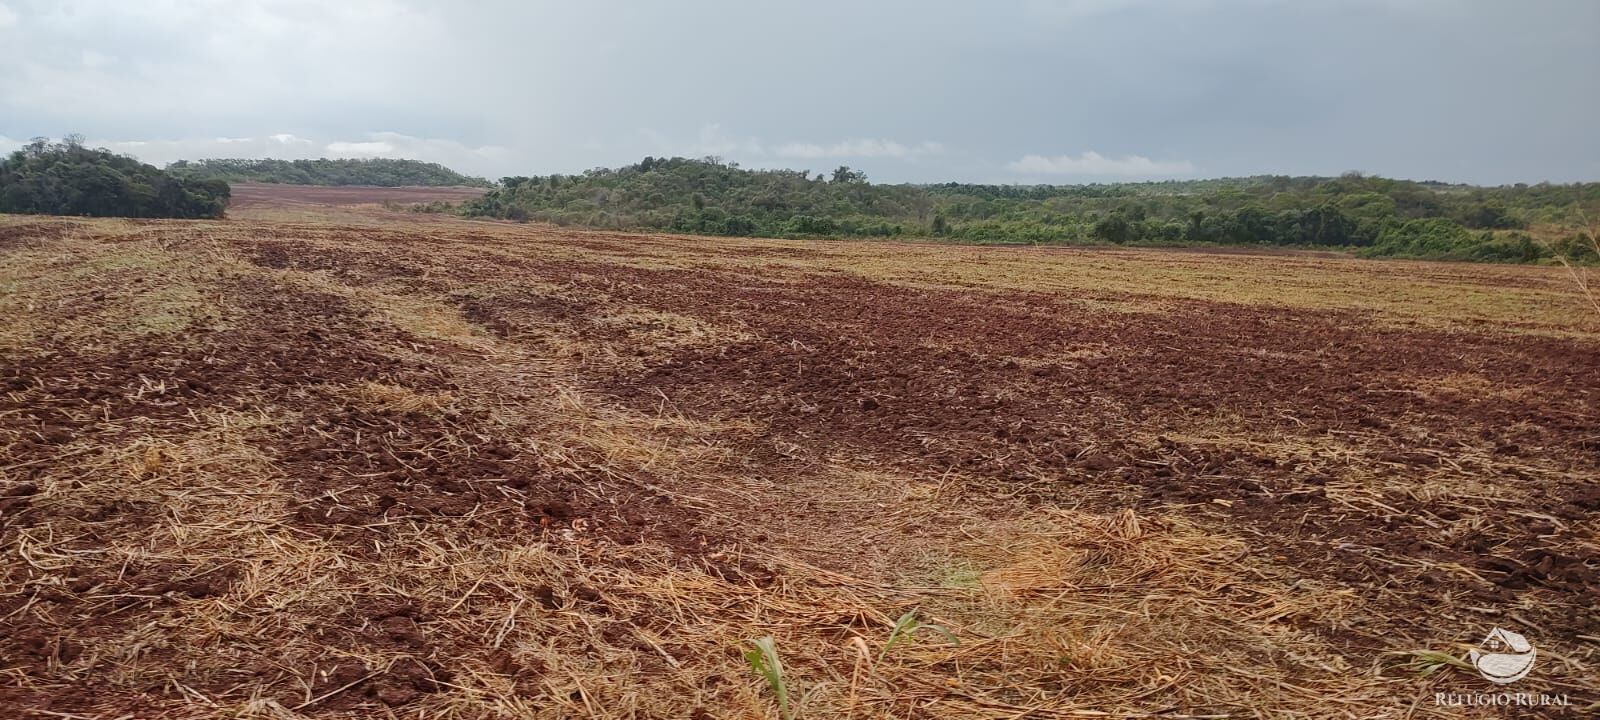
(908, 624)
(763, 658)
(1427, 662)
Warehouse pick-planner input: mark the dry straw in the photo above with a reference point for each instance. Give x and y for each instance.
(172, 554)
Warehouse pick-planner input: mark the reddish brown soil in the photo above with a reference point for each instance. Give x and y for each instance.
(1032, 395)
(976, 382)
(264, 195)
(355, 473)
(28, 235)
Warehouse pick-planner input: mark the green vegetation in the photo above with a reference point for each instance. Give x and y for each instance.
(1369, 215)
(906, 626)
(382, 172)
(66, 178)
(763, 658)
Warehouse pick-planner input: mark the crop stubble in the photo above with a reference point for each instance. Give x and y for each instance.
(637, 407)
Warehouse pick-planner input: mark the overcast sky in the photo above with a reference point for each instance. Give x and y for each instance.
(922, 90)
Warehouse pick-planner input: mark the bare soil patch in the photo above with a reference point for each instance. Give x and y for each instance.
(1065, 403)
(272, 195)
(371, 469)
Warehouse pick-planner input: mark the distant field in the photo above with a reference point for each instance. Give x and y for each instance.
(315, 462)
(260, 195)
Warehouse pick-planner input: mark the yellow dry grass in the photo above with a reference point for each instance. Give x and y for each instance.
(1060, 611)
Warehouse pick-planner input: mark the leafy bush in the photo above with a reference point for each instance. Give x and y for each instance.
(1442, 239)
(710, 196)
(381, 172)
(66, 178)
(1577, 248)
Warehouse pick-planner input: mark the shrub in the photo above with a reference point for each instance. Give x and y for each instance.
(67, 178)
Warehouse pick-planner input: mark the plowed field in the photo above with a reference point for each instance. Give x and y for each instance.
(386, 465)
(247, 196)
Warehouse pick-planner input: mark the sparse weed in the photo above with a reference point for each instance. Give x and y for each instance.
(1424, 663)
(763, 658)
(1580, 275)
(904, 627)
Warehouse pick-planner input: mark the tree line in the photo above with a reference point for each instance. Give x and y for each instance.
(66, 178)
(382, 172)
(1369, 215)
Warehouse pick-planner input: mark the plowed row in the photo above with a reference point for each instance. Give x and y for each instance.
(283, 469)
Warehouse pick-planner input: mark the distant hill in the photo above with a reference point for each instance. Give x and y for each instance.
(1368, 215)
(66, 178)
(381, 172)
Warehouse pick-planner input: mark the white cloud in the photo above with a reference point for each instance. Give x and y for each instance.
(148, 62)
(857, 148)
(92, 59)
(562, 84)
(713, 139)
(360, 148)
(484, 159)
(1093, 163)
(1071, 11)
(456, 155)
(1068, 10)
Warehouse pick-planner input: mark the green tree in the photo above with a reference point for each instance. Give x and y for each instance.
(844, 175)
(383, 172)
(67, 178)
(712, 196)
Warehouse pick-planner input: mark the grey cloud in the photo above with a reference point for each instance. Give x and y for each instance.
(857, 148)
(1093, 164)
(931, 90)
(289, 146)
(715, 140)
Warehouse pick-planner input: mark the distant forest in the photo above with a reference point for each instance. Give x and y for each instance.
(382, 172)
(66, 178)
(1372, 216)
